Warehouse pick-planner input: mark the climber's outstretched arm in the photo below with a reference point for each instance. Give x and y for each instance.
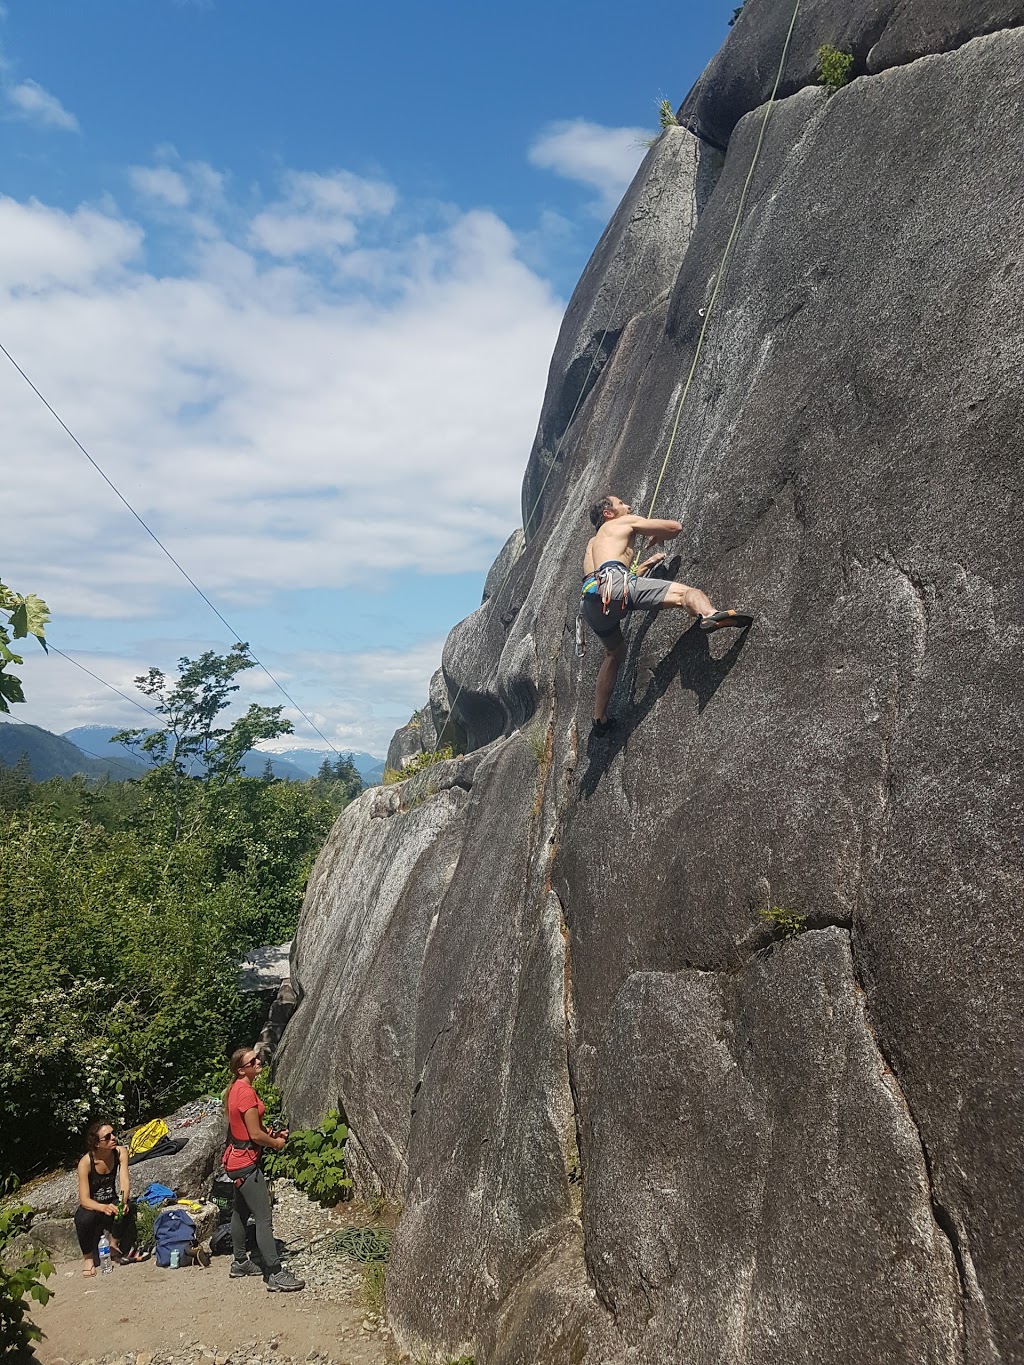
(657, 528)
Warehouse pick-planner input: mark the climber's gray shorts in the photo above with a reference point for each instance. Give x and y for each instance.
(642, 594)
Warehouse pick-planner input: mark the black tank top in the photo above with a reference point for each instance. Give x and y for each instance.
(103, 1184)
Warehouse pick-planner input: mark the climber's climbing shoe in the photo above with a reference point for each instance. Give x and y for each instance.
(719, 620)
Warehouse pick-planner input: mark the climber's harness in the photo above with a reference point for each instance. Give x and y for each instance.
(242, 1173)
(602, 582)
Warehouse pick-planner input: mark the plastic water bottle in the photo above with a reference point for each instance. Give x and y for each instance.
(106, 1264)
(175, 1259)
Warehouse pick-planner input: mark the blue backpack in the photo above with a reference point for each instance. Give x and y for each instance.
(173, 1230)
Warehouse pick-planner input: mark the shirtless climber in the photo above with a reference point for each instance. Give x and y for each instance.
(610, 590)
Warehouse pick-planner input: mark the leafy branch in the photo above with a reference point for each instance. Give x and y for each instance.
(24, 616)
(21, 1278)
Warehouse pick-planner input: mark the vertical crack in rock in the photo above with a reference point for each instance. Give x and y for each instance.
(974, 1310)
(576, 1160)
(426, 1063)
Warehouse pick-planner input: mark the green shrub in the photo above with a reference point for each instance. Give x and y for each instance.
(787, 923)
(315, 1159)
(120, 938)
(21, 1278)
(833, 66)
(667, 115)
(417, 765)
(145, 1238)
(736, 14)
(269, 1094)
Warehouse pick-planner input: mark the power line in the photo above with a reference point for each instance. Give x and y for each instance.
(159, 543)
(111, 686)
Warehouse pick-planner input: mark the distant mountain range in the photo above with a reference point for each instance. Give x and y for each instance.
(87, 749)
(52, 755)
(369, 768)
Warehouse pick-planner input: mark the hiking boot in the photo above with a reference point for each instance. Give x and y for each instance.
(284, 1282)
(240, 1268)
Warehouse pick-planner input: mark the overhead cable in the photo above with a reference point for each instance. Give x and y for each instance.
(159, 543)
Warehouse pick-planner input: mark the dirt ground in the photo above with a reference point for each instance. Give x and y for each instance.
(144, 1309)
(142, 1315)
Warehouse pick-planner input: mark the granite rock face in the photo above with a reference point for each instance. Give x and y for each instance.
(879, 34)
(625, 1122)
(633, 264)
(410, 741)
(431, 728)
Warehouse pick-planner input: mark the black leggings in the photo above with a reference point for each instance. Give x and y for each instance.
(253, 1198)
(91, 1225)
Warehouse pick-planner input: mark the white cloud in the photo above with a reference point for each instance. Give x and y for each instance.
(46, 248)
(33, 103)
(61, 696)
(372, 692)
(604, 159)
(159, 182)
(319, 212)
(285, 423)
(280, 429)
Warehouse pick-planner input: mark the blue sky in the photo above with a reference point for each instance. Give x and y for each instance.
(293, 275)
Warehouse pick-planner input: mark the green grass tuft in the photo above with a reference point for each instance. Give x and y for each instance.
(787, 923)
(417, 765)
(833, 66)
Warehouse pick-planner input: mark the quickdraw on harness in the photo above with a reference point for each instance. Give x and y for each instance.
(601, 581)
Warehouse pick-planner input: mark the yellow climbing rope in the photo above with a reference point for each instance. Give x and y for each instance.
(725, 258)
(703, 331)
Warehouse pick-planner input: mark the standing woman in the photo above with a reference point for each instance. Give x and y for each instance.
(101, 1171)
(246, 1139)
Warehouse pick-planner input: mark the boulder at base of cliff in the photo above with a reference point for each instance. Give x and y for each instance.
(187, 1171)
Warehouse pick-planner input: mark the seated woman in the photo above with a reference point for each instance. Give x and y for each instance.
(247, 1137)
(100, 1172)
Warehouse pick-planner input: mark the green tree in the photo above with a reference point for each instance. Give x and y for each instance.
(19, 618)
(126, 908)
(339, 782)
(16, 785)
(192, 743)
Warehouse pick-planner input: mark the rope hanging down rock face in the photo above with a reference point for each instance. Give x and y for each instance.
(583, 393)
(708, 313)
(720, 276)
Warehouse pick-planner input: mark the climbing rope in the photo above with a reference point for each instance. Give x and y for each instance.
(369, 1246)
(583, 393)
(708, 314)
(719, 278)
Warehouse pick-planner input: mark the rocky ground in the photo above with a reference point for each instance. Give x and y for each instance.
(142, 1315)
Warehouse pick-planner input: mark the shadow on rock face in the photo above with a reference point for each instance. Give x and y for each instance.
(690, 662)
